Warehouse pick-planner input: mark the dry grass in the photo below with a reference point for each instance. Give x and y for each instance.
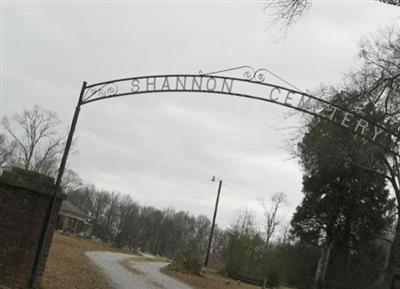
(147, 259)
(208, 280)
(67, 266)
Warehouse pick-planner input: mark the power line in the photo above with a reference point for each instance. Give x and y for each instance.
(252, 195)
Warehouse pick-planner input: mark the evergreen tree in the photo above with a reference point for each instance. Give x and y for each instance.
(345, 208)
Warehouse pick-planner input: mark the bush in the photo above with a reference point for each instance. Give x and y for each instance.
(187, 262)
(273, 278)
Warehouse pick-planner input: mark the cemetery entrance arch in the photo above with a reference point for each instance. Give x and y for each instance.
(244, 82)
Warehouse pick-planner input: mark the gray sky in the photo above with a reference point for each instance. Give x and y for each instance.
(163, 149)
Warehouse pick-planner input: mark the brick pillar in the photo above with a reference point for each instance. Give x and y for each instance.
(25, 197)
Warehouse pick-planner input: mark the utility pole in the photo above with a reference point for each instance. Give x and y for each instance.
(213, 222)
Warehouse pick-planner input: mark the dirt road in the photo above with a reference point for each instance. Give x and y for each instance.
(133, 275)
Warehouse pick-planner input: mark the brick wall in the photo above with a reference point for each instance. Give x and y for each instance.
(25, 197)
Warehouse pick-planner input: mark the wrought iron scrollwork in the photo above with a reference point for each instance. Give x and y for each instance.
(260, 74)
(253, 75)
(249, 73)
(105, 90)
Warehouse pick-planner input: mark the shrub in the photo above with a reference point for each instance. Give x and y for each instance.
(187, 262)
(273, 278)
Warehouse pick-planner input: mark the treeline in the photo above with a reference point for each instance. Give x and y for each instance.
(248, 255)
(240, 251)
(118, 219)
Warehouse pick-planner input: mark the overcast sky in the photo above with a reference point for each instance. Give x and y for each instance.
(163, 149)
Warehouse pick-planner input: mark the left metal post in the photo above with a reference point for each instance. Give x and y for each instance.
(49, 215)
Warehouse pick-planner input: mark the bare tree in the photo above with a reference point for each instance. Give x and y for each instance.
(271, 214)
(83, 198)
(37, 138)
(71, 181)
(288, 12)
(285, 233)
(128, 212)
(100, 202)
(378, 83)
(119, 219)
(6, 150)
(244, 222)
(111, 215)
(391, 2)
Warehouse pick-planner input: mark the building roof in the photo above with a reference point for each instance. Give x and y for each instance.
(68, 209)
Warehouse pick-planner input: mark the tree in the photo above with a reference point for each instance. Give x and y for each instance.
(111, 215)
(6, 150)
(345, 205)
(271, 215)
(377, 88)
(99, 203)
(373, 92)
(202, 229)
(342, 213)
(71, 181)
(244, 246)
(116, 218)
(37, 141)
(83, 198)
(128, 212)
(218, 242)
(288, 12)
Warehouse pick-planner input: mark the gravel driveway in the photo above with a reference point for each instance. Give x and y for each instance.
(120, 277)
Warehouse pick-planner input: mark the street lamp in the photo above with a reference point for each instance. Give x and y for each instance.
(213, 222)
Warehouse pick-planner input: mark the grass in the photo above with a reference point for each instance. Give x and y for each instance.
(68, 267)
(209, 280)
(147, 259)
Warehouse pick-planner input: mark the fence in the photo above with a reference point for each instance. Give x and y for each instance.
(262, 282)
(297, 281)
(306, 282)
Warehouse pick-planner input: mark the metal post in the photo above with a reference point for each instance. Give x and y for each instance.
(213, 224)
(50, 211)
(264, 284)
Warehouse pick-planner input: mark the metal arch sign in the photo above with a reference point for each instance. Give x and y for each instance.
(249, 84)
